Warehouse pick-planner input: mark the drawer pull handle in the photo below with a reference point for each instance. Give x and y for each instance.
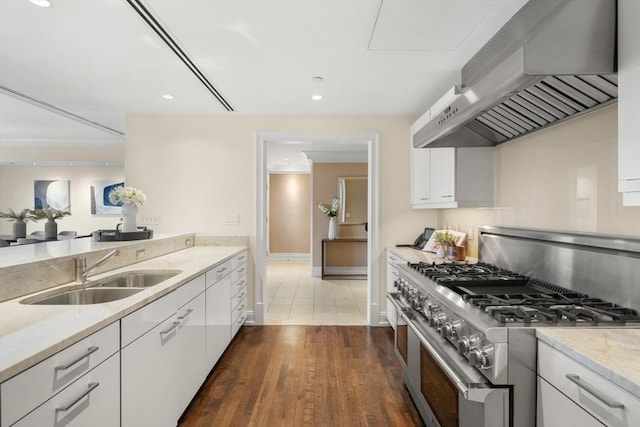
(171, 328)
(90, 350)
(240, 271)
(222, 270)
(68, 406)
(241, 283)
(588, 387)
(185, 315)
(240, 258)
(447, 195)
(242, 307)
(240, 296)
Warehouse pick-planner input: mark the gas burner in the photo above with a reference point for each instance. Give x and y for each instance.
(523, 314)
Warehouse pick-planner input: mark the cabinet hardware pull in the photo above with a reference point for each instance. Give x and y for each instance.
(631, 178)
(240, 284)
(68, 406)
(76, 360)
(241, 257)
(241, 271)
(171, 328)
(222, 270)
(240, 296)
(591, 389)
(447, 195)
(184, 316)
(242, 308)
(424, 198)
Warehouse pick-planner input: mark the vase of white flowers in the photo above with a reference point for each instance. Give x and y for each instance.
(129, 198)
(331, 212)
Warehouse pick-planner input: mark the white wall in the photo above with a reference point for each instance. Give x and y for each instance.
(197, 169)
(16, 192)
(564, 177)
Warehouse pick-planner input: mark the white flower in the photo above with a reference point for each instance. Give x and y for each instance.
(335, 203)
(120, 195)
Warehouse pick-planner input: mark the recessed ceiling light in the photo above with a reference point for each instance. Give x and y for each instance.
(167, 96)
(41, 3)
(316, 97)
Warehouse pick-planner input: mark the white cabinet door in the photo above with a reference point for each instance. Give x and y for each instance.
(555, 409)
(218, 320)
(420, 181)
(629, 101)
(148, 377)
(443, 175)
(190, 369)
(92, 400)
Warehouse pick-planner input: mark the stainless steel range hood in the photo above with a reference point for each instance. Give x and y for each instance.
(553, 60)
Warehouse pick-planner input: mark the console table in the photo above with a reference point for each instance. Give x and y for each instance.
(325, 243)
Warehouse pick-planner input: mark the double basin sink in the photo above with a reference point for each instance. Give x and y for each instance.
(104, 290)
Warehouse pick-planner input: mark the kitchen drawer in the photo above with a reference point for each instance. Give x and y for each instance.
(394, 259)
(555, 409)
(239, 285)
(24, 392)
(92, 400)
(218, 272)
(147, 317)
(240, 271)
(235, 327)
(557, 368)
(239, 259)
(241, 308)
(238, 297)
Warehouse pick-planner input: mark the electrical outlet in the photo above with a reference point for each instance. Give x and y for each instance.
(233, 219)
(150, 220)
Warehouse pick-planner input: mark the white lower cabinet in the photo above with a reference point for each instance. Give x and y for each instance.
(570, 394)
(163, 369)
(92, 400)
(55, 377)
(218, 319)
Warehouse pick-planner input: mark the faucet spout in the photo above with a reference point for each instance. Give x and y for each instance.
(82, 271)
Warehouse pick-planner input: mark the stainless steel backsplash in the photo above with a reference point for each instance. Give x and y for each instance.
(603, 266)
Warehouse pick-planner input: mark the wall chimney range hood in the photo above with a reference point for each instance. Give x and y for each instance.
(555, 59)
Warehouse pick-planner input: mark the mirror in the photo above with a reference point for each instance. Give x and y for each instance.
(353, 194)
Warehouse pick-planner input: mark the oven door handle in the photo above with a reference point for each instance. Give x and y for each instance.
(475, 393)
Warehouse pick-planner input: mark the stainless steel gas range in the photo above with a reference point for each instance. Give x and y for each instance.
(465, 333)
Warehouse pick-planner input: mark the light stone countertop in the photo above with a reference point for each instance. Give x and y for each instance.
(31, 333)
(612, 353)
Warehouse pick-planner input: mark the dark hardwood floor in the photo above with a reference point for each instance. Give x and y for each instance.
(306, 376)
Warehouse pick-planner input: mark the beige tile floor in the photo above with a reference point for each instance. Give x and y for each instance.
(294, 297)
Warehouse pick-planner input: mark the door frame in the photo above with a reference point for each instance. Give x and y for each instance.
(262, 228)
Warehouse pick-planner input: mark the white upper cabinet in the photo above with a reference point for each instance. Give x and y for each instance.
(452, 177)
(629, 101)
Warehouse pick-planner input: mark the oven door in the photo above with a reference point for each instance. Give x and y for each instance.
(447, 391)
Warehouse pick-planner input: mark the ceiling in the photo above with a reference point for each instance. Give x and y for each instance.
(71, 72)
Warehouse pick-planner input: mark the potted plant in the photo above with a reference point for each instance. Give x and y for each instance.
(20, 218)
(50, 214)
(331, 212)
(446, 241)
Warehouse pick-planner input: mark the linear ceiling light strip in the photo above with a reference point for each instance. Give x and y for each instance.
(60, 111)
(164, 35)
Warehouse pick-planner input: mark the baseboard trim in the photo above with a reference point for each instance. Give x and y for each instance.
(291, 256)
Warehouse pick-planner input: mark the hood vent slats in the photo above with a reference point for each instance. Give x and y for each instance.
(552, 99)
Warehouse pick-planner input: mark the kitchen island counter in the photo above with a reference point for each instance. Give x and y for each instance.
(31, 333)
(612, 353)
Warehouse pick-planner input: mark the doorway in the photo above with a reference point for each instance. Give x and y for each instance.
(370, 139)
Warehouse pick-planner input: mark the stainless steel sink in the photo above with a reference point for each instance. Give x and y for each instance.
(84, 296)
(135, 279)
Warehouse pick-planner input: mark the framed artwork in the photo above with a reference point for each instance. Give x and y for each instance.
(51, 194)
(100, 203)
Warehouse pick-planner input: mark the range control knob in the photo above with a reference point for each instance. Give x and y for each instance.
(481, 357)
(438, 319)
(451, 330)
(465, 343)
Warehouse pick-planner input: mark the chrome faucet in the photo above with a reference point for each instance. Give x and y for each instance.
(82, 271)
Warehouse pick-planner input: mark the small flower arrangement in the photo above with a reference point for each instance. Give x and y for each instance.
(50, 213)
(445, 239)
(121, 195)
(24, 215)
(333, 210)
